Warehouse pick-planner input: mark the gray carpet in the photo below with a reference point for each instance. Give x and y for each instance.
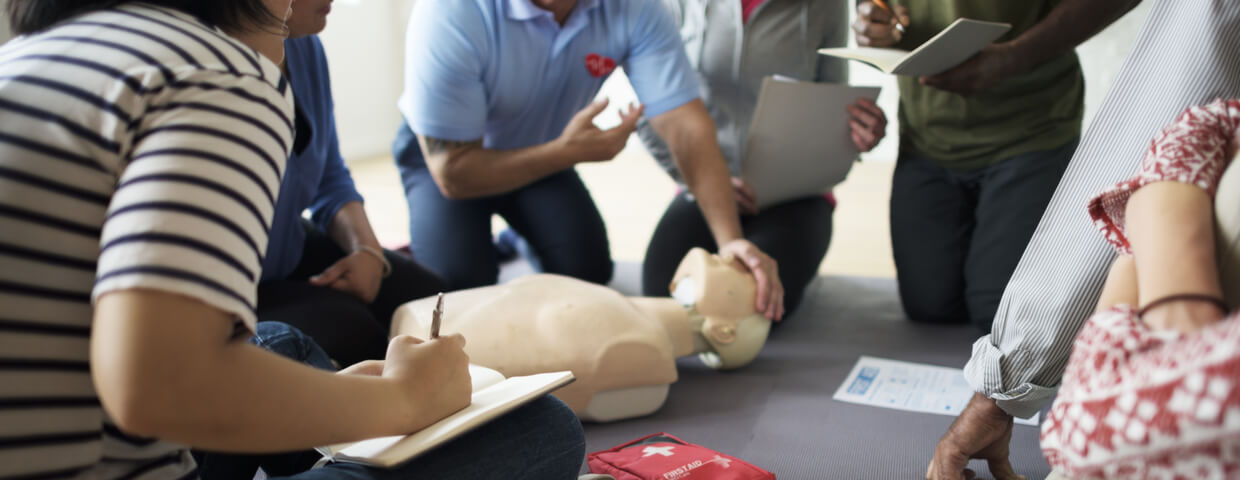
(778, 413)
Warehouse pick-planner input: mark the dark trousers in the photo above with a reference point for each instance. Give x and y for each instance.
(956, 237)
(795, 233)
(555, 215)
(349, 329)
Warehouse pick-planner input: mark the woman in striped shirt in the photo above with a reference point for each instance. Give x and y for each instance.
(141, 150)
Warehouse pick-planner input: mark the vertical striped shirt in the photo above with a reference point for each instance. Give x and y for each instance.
(1186, 54)
(139, 148)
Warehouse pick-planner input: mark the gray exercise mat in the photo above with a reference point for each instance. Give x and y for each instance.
(778, 413)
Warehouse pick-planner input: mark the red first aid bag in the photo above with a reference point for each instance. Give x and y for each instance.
(661, 456)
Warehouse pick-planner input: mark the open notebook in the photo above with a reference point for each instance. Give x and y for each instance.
(493, 396)
(952, 46)
(799, 143)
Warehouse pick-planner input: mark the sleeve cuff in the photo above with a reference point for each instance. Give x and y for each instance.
(669, 103)
(445, 132)
(985, 374)
(323, 213)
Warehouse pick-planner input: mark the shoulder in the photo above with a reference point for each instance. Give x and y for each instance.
(467, 16)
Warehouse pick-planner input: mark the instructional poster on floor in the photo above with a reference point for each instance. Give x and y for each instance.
(913, 387)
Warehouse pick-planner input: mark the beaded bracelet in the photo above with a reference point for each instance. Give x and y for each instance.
(387, 266)
(1197, 297)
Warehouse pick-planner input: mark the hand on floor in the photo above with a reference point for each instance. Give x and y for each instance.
(983, 431)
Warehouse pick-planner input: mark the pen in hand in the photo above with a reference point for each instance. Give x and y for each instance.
(883, 5)
(437, 317)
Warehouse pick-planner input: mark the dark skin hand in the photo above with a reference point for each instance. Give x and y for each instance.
(983, 431)
(986, 69)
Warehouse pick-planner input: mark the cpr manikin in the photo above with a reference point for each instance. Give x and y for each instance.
(621, 349)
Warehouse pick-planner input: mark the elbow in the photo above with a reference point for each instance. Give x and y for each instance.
(135, 407)
(452, 190)
(452, 185)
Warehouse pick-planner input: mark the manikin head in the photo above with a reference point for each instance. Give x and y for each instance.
(720, 293)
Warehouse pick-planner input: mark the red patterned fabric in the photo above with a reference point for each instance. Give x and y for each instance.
(1137, 403)
(1195, 150)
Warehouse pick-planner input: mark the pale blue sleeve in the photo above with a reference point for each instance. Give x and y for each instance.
(656, 65)
(445, 49)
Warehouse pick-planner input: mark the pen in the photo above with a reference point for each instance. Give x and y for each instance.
(883, 5)
(437, 316)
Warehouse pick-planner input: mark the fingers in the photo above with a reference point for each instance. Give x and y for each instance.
(329, 276)
(770, 291)
(587, 114)
(875, 26)
(1002, 469)
(872, 13)
(862, 136)
(746, 198)
(628, 121)
(456, 340)
(902, 15)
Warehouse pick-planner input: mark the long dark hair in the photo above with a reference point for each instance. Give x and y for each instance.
(30, 16)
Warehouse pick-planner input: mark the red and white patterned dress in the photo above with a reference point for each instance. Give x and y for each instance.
(1140, 403)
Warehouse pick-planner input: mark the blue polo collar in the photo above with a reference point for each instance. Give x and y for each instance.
(525, 10)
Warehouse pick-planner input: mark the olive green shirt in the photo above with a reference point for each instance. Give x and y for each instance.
(1037, 110)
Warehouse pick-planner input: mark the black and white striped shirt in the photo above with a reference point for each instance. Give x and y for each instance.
(139, 148)
(1188, 53)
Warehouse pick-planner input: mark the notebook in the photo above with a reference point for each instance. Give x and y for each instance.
(493, 396)
(799, 143)
(952, 46)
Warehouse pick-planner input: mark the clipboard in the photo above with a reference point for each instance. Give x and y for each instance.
(799, 143)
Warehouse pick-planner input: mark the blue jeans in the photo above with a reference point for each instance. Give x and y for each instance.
(453, 238)
(541, 440)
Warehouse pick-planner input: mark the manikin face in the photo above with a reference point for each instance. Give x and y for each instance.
(309, 17)
(723, 292)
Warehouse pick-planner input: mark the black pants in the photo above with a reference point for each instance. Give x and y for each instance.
(346, 327)
(956, 237)
(795, 233)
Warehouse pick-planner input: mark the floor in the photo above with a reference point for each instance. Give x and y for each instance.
(631, 192)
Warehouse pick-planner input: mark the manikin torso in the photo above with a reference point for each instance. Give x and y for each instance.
(622, 350)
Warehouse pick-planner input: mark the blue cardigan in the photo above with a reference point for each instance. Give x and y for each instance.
(316, 177)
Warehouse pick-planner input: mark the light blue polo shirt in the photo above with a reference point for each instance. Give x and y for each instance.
(506, 72)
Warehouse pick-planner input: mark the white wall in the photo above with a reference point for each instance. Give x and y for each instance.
(4, 26)
(365, 42)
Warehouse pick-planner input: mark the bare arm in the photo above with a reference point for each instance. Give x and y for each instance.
(361, 271)
(1171, 233)
(165, 366)
(1068, 25)
(467, 170)
(690, 136)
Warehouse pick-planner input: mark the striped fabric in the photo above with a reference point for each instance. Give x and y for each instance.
(139, 148)
(1188, 53)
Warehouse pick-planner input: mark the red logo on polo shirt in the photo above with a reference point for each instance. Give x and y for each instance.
(599, 65)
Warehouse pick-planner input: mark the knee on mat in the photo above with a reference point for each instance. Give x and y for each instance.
(935, 312)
